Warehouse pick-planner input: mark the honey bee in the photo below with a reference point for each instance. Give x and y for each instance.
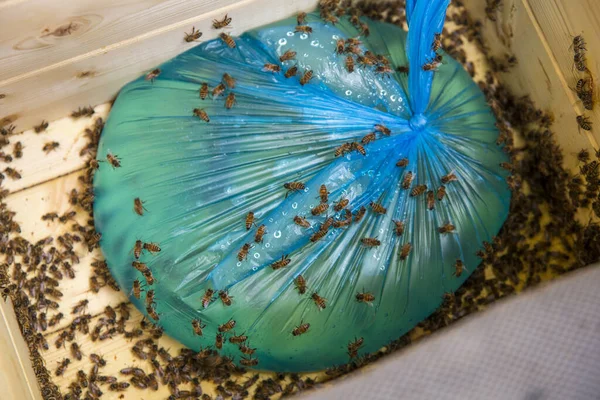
(303, 29)
(378, 208)
(227, 326)
(152, 312)
(584, 123)
(113, 160)
(458, 268)
(323, 194)
(50, 146)
(208, 297)
(243, 253)
(139, 266)
(292, 71)
(150, 298)
(407, 180)
(246, 350)
(446, 228)
(441, 192)
(364, 29)
(437, 42)
(49, 216)
(41, 127)
(284, 262)
(152, 75)
(405, 251)
(580, 62)
(238, 339)
(229, 80)
(370, 242)
(225, 298)
(17, 150)
(301, 329)
(152, 247)
(300, 18)
(271, 67)
(306, 77)
(343, 149)
(197, 325)
(12, 173)
(200, 113)
(288, 55)
(399, 227)
(79, 307)
(62, 366)
(343, 222)
(260, 232)
(578, 44)
(76, 351)
(353, 347)
(320, 234)
(301, 221)
(221, 24)
(137, 288)
(249, 220)
(349, 63)
(148, 275)
(365, 297)
(119, 386)
(194, 35)
(319, 301)
(138, 206)
(230, 101)
(249, 362)
(339, 46)
(300, 283)
(204, 91)
(449, 178)
(293, 187)
(340, 205)
(433, 65)
(368, 138)
(418, 190)
(384, 70)
(320, 209)
(358, 148)
(361, 212)
(218, 90)
(228, 40)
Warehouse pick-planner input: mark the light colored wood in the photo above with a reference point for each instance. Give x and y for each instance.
(54, 91)
(37, 166)
(17, 380)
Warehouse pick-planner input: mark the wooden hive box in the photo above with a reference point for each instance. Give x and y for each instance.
(56, 56)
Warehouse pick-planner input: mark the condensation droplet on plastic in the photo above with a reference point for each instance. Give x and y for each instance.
(383, 92)
(314, 43)
(290, 33)
(304, 36)
(239, 264)
(282, 41)
(222, 246)
(381, 230)
(270, 219)
(256, 255)
(228, 189)
(348, 92)
(305, 190)
(335, 37)
(393, 97)
(277, 234)
(254, 268)
(284, 213)
(294, 205)
(268, 245)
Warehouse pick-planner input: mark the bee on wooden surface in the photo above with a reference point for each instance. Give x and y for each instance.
(225, 298)
(82, 378)
(405, 251)
(198, 326)
(62, 366)
(320, 209)
(76, 351)
(354, 346)
(301, 221)
(283, 262)
(222, 23)
(343, 149)
(98, 360)
(399, 227)
(200, 113)
(50, 216)
(339, 46)
(119, 386)
(441, 192)
(583, 156)
(306, 77)
(301, 329)
(243, 253)
(228, 40)
(303, 29)
(150, 298)
(578, 44)
(230, 101)
(358, 148)
(584, 123)
(437, 42)
(79, 307)
(193, 36)
(137, 288)
(152, 75)
(580, 62)
(204, 91)
(418, 190)
(340, 205)
(446, 228)
(377, 208)
(292, 71)
(18, 150)
(152, 312)
(238, 339)
(368, 138)
(449, 178)
(365, 297)
(152, 247)
(55, 319)
(288, 55)
(260, 232)
(208, 297)
(249, 362)
(370, 242)
(293, 187)
(219, 341)
(458, 268)
(300, 18)
(300, 283)
(41, 127)
(319, 301)
(271, 67)
(50, 146)
(227, 326)
(407, 180)
(229, 80)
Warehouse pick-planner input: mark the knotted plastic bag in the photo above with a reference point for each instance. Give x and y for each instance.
(317, 275)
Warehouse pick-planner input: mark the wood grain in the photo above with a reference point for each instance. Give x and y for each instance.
(54, 91)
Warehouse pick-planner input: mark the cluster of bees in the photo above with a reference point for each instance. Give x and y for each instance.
(585, 86)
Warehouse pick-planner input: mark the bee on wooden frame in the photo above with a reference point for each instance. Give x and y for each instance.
(50, 146)
(193, 36)
(301, 18)
(584, 123)
(222, 23)
(152, 75)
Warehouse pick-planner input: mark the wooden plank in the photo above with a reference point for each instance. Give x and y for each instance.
(17, 380)
(36, 166)
(536, 74)
(53, 92)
